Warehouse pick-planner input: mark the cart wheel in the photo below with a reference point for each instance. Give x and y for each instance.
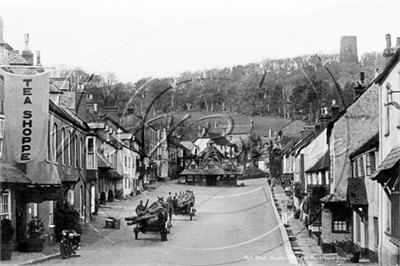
(164, 236)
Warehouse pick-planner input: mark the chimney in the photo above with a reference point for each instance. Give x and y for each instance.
(398, 42)
(38, 58)
(334, 109)
(224, 131)
(360, 87)
(27, 54)
(325, 117)
(95, 112)
(270, 133)
(389, 51)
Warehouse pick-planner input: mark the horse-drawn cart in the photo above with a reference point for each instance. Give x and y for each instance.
(152, 219)
(184, 204)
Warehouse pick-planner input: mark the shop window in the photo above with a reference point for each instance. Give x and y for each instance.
(370, 163)
(5, 205)
(339, 222)
(395, 212)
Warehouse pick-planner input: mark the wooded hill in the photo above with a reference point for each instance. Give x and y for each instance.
(271, 88)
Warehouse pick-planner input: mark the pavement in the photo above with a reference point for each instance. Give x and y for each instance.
(52, 250)
(304, 247)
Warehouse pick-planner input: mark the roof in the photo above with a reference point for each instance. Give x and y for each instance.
(389, 67)
(114, 174)
(321, 164)
(10, 173)
(97, 125)
(17, 59)
(188, 144)
(234, 129)
(124, 136)
(391, 159)
(217, 138)
(333, 198)
(356, 192)
(112, 120)
(103, 162)
(369, 144)
(293, 129)
(76, 118)
(216, 171)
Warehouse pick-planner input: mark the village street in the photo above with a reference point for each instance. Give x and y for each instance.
(235, 225)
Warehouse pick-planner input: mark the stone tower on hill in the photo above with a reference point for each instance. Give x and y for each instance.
(348, 49)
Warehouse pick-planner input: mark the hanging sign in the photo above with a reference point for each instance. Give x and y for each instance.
(26, 111)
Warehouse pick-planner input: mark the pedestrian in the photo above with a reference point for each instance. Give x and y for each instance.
(140, 207)
(169, 197)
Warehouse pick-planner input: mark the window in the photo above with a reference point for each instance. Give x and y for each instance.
(69, 140)
(360, 167)
(210, 166)
(339, 222)
(395, 215)
(126, 162)
(51, 212)
(331, 169)
(354, 164)
(54, 141)
(48, 157)
(63, 146)
(81, 153)
(5, 205)
(193, 166)
(376, 232)
(1, 136)
(90, 152)
(357, 228)
(76, 151)
(387, 115)
(370, 163)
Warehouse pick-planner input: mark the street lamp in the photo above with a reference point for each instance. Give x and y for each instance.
(395, 104)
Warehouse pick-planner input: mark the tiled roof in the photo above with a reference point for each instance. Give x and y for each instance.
(103, 162)
(293, 129)
(321, 164)
(9, 173)
(17, 59)
(217, 171)
(391, 159)
(114, 174)
(356, 192)
(369, 144)
(333, 198)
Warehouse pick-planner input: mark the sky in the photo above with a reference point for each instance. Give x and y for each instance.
(137, 39)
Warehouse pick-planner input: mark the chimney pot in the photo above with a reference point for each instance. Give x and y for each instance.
(388, 41)
(362, 77)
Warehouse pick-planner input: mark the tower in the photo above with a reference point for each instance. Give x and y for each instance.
(348, 49)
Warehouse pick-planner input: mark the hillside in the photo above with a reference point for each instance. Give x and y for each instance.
(189, 128)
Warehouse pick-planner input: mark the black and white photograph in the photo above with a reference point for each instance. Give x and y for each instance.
(200, 132)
